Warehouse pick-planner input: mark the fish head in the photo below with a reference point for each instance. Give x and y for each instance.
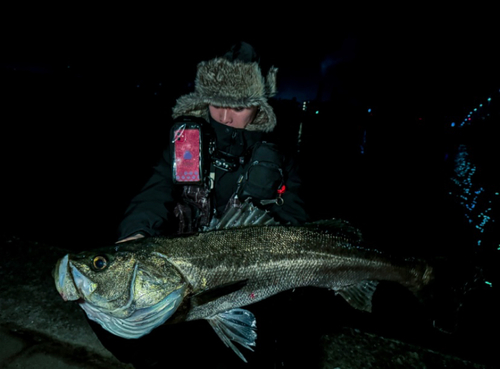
(128, 291)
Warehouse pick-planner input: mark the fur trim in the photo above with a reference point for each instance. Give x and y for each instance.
(221, 82)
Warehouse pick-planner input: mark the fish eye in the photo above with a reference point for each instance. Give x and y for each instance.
(99, 262)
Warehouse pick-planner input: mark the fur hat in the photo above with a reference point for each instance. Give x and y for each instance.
(231, 83)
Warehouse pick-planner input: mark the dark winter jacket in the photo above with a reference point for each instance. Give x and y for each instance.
(151, 212)
(232, 81)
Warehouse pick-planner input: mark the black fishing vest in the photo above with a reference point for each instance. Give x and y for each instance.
(256, 172)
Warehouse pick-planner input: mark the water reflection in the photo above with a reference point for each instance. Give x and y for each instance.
(474, 185)
(475, 200)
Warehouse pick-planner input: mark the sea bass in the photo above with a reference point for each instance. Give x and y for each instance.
(133, 287)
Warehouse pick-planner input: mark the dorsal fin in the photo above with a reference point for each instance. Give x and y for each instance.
(242, 215)
(337, 227)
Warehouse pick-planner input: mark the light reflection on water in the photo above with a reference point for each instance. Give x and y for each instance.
(476, 202)
(474, 186)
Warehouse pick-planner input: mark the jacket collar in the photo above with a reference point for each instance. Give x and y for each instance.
(232, 140)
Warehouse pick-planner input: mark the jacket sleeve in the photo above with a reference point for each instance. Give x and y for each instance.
(292, 210)
(151, 209)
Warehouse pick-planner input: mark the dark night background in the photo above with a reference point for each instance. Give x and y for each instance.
(86, 111)
(86, 102)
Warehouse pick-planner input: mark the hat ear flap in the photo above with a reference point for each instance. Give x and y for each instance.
(272, 82)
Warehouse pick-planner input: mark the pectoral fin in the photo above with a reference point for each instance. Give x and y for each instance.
(236, 325)
(359, 295)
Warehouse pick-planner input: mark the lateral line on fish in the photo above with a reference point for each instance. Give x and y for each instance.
(248, 263)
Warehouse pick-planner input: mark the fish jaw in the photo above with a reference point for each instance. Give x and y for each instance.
(132, 318)
(82, 283)
(70, 282)
(64, 281)
(142, 321)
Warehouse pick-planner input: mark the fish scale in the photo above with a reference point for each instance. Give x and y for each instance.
(277, 258)
(212, 275)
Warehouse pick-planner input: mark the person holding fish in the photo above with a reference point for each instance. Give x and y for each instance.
(219, 164)
(161, 300)
(219, 157)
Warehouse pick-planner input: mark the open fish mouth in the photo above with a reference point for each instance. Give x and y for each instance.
(71, 284)
(139, 323)
(74, 286)
(64, 282)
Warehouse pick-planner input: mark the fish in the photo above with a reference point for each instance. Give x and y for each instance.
(133, 287)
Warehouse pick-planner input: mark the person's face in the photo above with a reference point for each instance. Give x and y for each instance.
(233, 117)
